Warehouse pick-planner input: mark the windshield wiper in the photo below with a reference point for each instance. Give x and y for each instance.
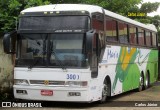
(37, 60)
(39, 56)
(53, 52)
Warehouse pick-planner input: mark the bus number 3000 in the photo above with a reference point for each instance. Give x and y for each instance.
(72, 76)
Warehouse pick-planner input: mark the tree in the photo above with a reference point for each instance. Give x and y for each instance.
(117, 6)
(149, 7)
(10, 9)
(156, 21)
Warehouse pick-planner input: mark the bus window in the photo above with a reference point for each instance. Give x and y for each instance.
(154, 39)
(122, 29)
(97, 21)
(132, 35)
(148, 38)
(140, 36)
(111, 30)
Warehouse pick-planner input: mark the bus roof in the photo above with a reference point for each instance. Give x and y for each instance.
(90, 9)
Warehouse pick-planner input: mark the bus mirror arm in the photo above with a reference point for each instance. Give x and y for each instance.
(9, 42)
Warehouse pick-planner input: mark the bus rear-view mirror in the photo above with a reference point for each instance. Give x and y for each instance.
(9, 42)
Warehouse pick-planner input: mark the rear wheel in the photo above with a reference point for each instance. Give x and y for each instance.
(141, 83)
(147, 82)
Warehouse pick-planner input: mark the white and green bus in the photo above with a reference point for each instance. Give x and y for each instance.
(80, 53)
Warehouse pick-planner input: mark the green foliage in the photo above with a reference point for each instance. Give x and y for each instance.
(156, 21)
(121, 6)
(117, 6)
(149, 7)
(10, 9)
(32, 3)
(145, 21)
(65, 1)
(145, 8)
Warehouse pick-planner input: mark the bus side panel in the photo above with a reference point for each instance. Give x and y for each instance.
(108, 68)
(134, 62)
(124, 66)
(132, 78)
(152, 65)
(127, 70)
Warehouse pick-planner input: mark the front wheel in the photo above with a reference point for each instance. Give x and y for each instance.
(105, 91)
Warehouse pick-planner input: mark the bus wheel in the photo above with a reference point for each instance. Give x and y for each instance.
(141, 83)
(104, 91)
(147, 82)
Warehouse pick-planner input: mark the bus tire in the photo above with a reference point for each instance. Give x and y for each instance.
(147, 81)
(141, 83)
(105, 90)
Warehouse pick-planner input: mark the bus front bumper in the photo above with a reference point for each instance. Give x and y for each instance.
(68, 94)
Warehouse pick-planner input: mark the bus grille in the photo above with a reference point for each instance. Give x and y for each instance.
(47, 82)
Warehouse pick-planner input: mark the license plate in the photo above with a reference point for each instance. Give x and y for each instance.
(47, 92)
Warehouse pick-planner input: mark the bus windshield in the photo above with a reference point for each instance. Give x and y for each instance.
(51, 50)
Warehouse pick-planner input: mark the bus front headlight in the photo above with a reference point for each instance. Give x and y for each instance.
(76, 83)
(20, 82)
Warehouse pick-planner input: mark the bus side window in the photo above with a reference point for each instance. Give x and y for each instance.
(132, 35)
(111, 30)
(97, 21)
(122, 31)
(148, 38)
(154, 39)
(140, 36)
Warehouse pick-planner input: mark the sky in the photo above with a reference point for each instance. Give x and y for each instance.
(153, 13)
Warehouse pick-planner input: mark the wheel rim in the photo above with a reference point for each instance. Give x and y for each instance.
(104, 92)
(146, 80)
(141, 82)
